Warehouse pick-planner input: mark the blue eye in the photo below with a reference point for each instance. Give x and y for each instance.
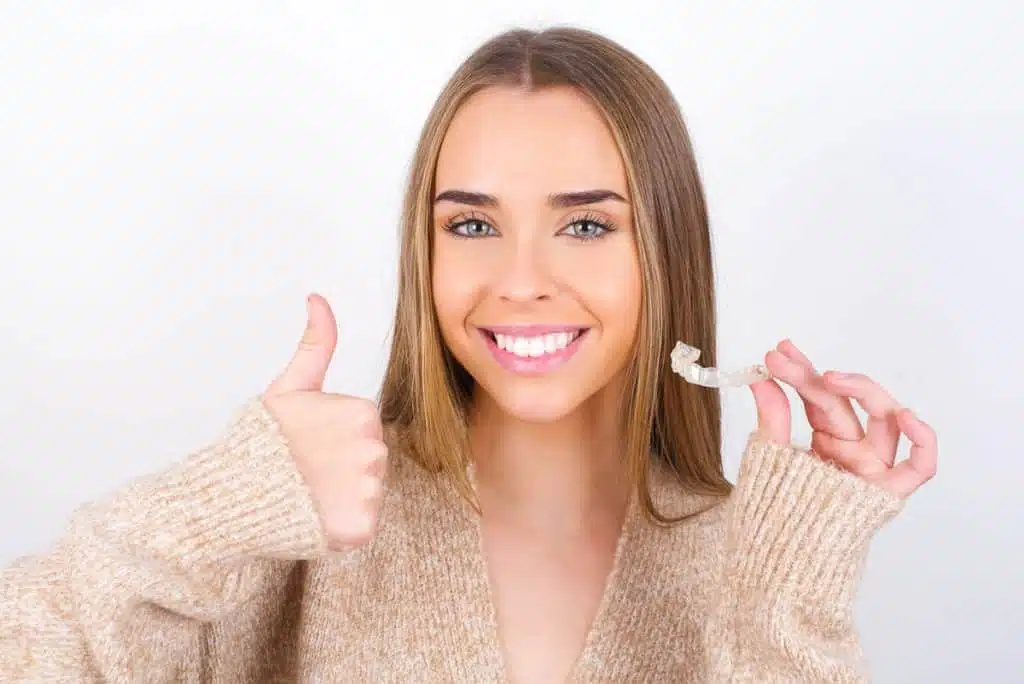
(586, 229)
(472, 228)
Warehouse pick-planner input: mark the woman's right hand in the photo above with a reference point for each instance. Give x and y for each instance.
(337, 441)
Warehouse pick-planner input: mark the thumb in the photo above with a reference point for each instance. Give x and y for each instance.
(773, 415)
(308, 367)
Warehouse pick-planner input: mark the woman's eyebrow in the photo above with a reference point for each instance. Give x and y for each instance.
(475, 199)
(564, 200)
(559, 200)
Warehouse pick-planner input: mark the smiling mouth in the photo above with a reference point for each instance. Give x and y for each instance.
(533, 350)
(534, 346)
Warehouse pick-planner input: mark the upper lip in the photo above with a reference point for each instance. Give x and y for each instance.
(530, 330)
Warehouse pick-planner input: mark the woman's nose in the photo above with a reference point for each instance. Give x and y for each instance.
(525, 274)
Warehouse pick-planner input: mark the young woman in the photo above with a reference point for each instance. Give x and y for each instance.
(555, 507)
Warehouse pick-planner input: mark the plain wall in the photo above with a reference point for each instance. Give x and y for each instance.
(176, 176)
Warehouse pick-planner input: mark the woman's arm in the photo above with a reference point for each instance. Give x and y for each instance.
(797, 535)
(800, 522)
(130, 586)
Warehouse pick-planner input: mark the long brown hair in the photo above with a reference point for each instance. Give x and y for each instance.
(426, 393)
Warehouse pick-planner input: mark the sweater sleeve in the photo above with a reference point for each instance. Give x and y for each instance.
(796, 537)
(126, 592)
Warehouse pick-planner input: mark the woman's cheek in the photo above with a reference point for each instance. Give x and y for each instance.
(459, 281)
(608, 282)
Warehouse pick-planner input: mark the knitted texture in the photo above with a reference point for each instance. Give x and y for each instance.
(217, 571)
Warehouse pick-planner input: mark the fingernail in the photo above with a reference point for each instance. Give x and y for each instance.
(836, 375)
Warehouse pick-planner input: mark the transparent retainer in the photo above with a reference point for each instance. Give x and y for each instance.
(684, 363)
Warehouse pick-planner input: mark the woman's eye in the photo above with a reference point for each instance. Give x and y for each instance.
(473, 228)
(585, 229)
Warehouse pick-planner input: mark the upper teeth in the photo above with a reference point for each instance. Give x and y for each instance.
(535, 346)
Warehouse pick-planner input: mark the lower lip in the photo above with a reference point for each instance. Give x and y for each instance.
(533, 365)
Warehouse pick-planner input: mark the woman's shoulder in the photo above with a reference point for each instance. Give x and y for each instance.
(408, 480)
(678, 500)
(417, 501)
(421, 516)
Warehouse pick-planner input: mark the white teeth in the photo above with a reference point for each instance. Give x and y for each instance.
(532, 347)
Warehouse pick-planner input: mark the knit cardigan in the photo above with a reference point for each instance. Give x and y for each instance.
(217, 570)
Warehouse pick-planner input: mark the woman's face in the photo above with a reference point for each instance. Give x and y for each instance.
(535, 272)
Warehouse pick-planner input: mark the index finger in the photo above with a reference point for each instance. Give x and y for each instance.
(826, 411)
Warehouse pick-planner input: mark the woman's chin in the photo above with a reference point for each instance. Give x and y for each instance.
(544, 406)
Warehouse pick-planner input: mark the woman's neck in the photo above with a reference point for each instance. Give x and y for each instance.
(564, 477)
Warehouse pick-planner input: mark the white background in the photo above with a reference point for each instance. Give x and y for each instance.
(174, 177)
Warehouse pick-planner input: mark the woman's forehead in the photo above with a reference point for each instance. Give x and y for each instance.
(511, 140)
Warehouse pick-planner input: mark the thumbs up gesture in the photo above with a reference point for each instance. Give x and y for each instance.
(337, 441)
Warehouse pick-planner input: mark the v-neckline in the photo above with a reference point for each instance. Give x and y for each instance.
(603, 617)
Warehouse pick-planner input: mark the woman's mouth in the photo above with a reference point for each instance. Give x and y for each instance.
(533, 349)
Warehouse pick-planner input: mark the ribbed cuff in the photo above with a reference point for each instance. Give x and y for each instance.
(240, 498)
(802, 525)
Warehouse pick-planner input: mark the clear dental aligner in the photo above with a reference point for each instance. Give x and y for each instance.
(684, 363)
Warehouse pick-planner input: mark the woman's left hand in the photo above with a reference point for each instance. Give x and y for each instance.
(838, 436)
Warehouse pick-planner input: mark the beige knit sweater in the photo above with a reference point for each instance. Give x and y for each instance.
(217, 571)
